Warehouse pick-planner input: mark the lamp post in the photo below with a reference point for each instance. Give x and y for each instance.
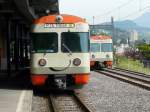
(128, 61)
(93, 19)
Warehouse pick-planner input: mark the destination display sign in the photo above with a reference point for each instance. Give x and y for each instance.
(58, 25)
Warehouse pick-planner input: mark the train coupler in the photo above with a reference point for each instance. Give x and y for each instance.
(60, 82)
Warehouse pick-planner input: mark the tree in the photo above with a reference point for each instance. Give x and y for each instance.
(144, 49)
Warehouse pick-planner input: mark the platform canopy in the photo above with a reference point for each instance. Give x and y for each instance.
(35, 8)
(29, 9)
(16, 17)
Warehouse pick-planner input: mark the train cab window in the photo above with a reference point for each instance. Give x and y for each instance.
(44, 42)
(106, 47)
(95, 47)
(75, 42)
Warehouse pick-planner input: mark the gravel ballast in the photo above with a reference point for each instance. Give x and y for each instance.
(112, 95)
(39, 104)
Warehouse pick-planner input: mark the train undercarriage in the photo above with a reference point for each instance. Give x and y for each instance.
(100, 65)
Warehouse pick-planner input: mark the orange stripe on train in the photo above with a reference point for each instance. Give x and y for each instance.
(52, 19)
(100, 37)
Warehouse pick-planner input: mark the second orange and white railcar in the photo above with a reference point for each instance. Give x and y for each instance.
(101, 54)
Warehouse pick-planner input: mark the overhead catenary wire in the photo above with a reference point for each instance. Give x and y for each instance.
(140, 10)
(112, 10)
(105, 15)
(135, 12)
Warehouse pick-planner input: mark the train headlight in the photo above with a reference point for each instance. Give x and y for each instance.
(77, 62)
(59, 18)
(42, 62)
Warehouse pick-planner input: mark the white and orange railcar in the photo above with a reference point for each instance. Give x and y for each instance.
(60, 52)
(101, 54)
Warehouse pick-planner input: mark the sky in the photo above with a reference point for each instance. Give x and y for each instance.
(98, 11)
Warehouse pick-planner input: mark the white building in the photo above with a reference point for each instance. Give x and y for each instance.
(133, 36)
(121, 49)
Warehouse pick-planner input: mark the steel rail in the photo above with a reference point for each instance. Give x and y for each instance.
(132, 72)
(52, 105)
(130, 75)
(84, 105)
(134, 81)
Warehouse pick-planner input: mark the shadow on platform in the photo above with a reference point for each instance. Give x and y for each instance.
(16, 81)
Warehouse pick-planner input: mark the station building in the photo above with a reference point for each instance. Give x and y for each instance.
(16, 16)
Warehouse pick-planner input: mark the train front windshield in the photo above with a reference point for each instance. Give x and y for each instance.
(106, 47)
(76, 42)
(95, 47)
(44, 42)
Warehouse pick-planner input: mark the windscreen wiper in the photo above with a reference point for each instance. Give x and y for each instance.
(65, 46)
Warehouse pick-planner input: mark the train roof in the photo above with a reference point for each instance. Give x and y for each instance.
(100, 37)
(66, 19)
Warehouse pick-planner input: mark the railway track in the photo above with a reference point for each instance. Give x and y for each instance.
(71, 102)
(132, 72)
(139, 80)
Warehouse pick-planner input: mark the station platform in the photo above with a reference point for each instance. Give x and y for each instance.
(15, 100)
(15, 92)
